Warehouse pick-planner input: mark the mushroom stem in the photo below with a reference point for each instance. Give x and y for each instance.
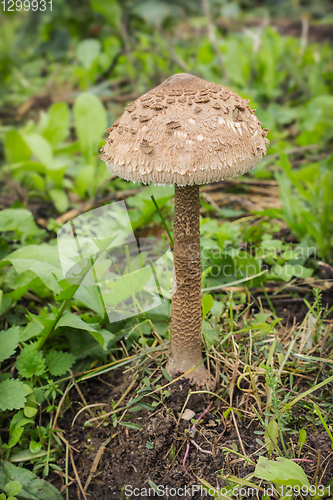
(185, 351)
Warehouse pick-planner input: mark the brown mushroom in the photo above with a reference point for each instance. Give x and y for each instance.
(186, 132)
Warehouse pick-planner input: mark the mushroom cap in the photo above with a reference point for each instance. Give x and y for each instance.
(185, 131)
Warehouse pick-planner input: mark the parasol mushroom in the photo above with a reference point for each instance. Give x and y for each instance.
(185, 132)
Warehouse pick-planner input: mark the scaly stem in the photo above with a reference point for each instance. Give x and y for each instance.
(185, 351)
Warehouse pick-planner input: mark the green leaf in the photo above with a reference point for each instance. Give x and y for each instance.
(60, 199)
(30, 362)
(31, 330)
(9, 340)
(283, 472)
(43, 260)
(130, 425)
(146, 207)
(33, 488)
(19, 220)
(12, 394)
(153, 13)
(31, 406)
(88, 51)
(325, 104)
(57, 128)
(273, 429)
(59, 362)
(102, 336)
(302, 436)
(211, 333)
(85, 179)
(40, 148)
(207, 304)
(110, 10)
(90, 298)
(13, 488)
(16, 149)
(15, 436)
(34, 447)
(90, 124)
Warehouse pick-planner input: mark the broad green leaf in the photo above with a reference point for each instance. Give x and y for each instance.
(19, 220)
(16, 149)
(9, 340)
(207, 304)
(90, 124)
(33, 488)
(90, 298)
(60, 199)
(30, 362)
(57, 128)
(102, 336)
(28, 166)
(42, 253)
(85, 179)
(283, 472)
(87, 52)
(40, 148)
(12, 394)
(237, 62)
(59, 362)
(43, 260)
(31, 330)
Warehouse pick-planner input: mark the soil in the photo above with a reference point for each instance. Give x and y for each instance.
(153, 455)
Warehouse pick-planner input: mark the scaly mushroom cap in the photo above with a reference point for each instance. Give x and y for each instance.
(185, 131)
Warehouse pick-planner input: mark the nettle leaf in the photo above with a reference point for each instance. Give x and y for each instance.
(12, 395)
(33, 488)
(30, 362)
(9, 340)
(59, 362)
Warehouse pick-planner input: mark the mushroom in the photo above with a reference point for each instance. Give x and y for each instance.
(185, 132)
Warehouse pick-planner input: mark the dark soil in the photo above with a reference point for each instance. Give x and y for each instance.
(141, 458)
